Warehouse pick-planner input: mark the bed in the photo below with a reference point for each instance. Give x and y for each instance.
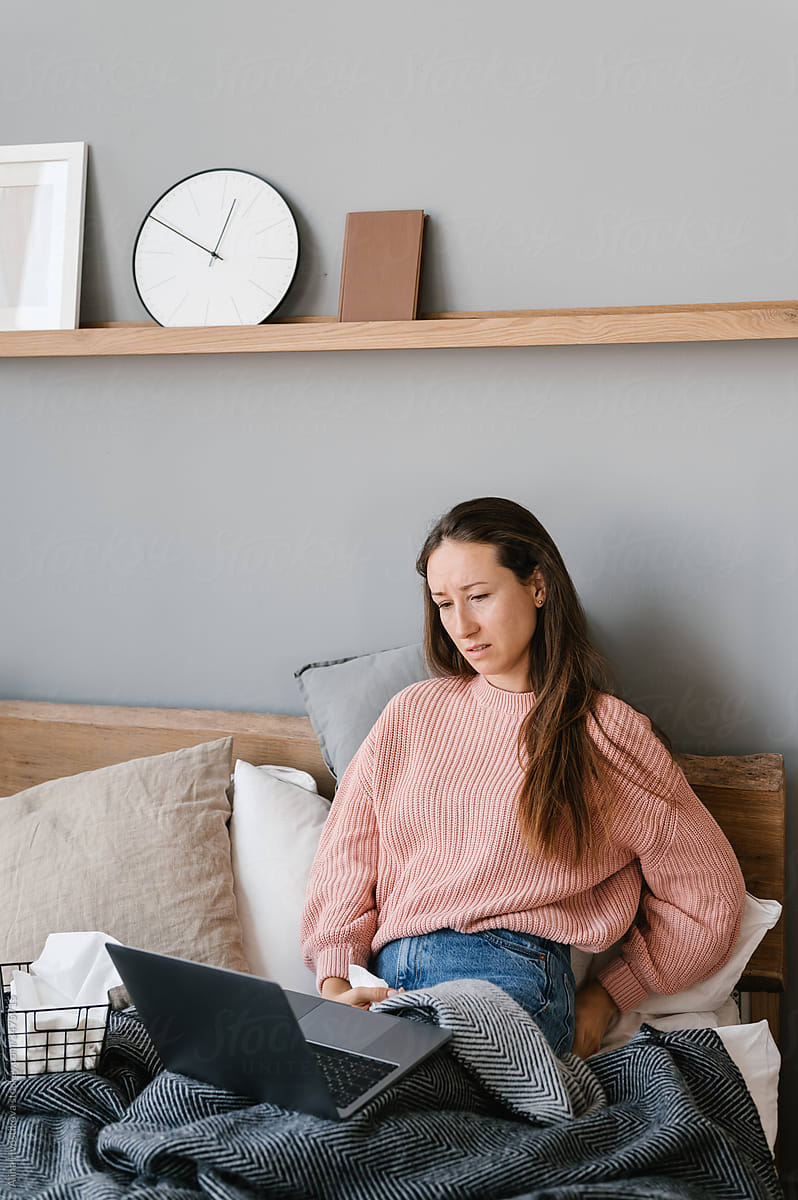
(458, 1124)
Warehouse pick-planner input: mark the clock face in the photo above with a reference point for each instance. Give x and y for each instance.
(219, 248)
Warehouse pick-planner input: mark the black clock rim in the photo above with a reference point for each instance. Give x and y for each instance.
(193, 175)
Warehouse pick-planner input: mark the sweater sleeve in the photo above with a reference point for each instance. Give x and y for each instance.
(693, 889)
(339, 917)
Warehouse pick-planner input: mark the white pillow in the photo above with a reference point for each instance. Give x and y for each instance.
(758, 1060)
(580, 965)
(302, 779)
(625, 1026)
(758, 917)
(274, 831)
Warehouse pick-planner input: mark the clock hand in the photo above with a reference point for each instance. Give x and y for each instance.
(221, 235)
(183, 235)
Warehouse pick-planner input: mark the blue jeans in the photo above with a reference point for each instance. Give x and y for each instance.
(534, 971)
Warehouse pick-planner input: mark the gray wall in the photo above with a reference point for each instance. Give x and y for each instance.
(189, 531)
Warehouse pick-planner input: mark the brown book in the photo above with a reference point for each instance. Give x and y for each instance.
(381, 267)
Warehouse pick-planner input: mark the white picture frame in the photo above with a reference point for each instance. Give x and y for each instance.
(42, 202)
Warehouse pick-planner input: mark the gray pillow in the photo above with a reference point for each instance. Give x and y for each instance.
(345, 696)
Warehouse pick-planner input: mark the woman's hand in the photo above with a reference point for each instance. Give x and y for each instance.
(359, 997)
(594, 1008)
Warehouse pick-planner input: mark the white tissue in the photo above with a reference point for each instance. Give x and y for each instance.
(73, 969)
(360, 977)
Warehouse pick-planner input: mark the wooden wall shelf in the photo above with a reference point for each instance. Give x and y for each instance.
(536, 327)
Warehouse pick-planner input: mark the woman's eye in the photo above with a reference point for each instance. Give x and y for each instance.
(479, 597)
(444, 605)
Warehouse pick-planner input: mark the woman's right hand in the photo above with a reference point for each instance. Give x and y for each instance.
(359, 997)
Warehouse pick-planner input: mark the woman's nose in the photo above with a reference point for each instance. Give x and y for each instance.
(465, 623)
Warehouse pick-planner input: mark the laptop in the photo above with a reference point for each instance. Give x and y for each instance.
(251, 1036)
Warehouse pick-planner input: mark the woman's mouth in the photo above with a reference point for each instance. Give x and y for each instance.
(475, 651)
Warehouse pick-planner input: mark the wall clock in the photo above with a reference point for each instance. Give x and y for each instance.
(218, 248)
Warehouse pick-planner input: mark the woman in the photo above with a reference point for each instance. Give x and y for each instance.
(512, 807)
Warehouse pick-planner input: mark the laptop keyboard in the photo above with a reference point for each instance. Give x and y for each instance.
(349, 1075)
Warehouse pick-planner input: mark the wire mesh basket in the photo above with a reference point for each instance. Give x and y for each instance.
(46, 1040)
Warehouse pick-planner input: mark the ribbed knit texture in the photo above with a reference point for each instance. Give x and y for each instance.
(423, 834)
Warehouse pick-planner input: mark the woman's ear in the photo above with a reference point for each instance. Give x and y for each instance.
(538, 587)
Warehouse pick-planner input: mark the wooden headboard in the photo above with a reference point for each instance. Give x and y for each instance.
(40, 741)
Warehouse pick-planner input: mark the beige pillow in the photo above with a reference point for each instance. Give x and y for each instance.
(139, 850)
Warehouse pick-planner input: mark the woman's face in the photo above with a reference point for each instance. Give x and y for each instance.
(487, 613)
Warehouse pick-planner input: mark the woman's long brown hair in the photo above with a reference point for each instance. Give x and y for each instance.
(561, 762)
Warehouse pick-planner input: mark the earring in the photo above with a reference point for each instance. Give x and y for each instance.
(539, 603)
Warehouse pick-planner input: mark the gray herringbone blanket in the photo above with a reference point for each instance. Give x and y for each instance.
(495, 1115)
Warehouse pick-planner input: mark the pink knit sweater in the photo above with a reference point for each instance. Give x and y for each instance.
(423, 835)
